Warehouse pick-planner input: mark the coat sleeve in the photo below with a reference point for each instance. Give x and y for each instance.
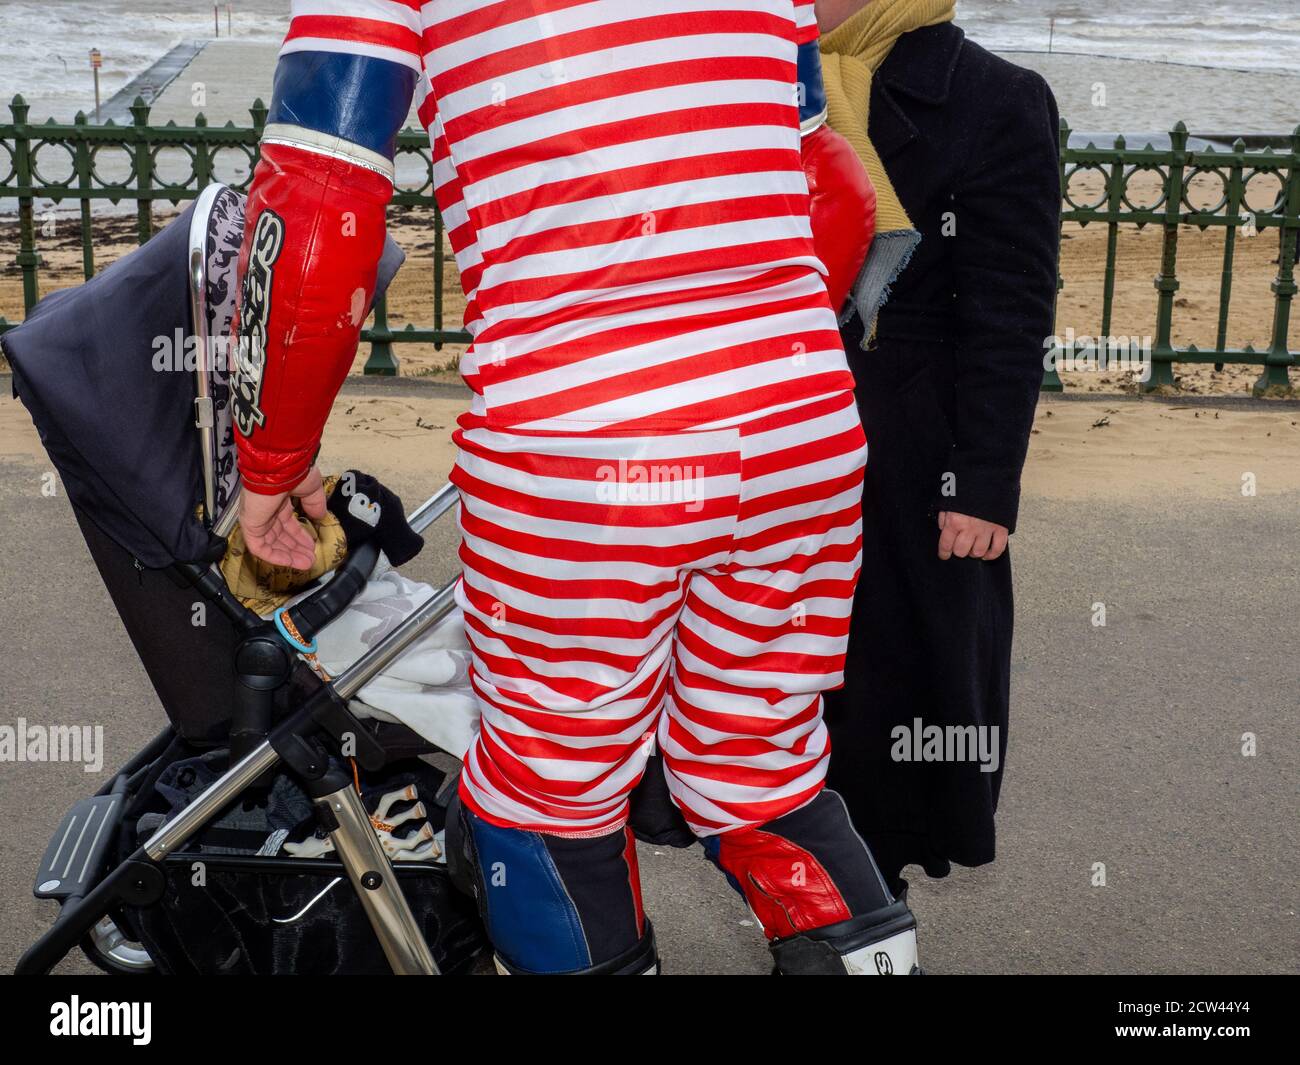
(1006, 212)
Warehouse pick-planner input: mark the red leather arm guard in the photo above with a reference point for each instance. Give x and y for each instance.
(313, 235)
(842, 204)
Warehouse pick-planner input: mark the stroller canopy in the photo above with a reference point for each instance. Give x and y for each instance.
(120, 432)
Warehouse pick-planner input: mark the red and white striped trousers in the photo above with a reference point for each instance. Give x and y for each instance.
(691, 589)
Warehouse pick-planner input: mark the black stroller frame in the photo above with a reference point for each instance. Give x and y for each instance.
(300, 742)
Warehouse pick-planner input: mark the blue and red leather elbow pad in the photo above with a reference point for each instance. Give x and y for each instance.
(314, 232)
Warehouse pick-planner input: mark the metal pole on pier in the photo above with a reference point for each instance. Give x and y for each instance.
(96, 61)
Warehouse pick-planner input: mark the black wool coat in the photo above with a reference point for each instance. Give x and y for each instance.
(946, 390)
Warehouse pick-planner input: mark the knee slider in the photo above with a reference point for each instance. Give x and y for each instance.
(804, 870)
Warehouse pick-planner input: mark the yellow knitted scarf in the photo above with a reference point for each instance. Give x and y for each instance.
(851, 54)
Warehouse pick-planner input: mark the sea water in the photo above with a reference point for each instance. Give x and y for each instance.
(44, 44)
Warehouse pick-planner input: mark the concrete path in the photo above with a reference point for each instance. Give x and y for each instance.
(150, 84)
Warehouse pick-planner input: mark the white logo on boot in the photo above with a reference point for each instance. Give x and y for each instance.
(893, 956)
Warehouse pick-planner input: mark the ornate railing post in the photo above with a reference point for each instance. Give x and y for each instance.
(1166, 282)
(1051, 374)
(382, 362)
(1114, 201)
(259, 113)
(438, 275)
(143, 169)
(1235, 196)
(27, 259)
(82, 164)
(1279, 358)
(202, 153)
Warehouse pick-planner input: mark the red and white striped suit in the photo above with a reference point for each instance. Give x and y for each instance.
(624, 193)
(661, 467)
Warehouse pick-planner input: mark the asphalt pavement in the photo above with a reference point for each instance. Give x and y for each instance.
(1126, 748)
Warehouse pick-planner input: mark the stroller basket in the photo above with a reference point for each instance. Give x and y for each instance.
(263, 916)
(249, 914)
(123, 867)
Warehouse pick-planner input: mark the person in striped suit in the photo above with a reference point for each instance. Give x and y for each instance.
(660, 470)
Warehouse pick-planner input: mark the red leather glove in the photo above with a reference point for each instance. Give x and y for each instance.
(842, 204)
(313, 234)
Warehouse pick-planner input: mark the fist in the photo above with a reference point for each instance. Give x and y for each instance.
(967, 537)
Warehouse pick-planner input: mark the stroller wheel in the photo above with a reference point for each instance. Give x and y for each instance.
(108, 949)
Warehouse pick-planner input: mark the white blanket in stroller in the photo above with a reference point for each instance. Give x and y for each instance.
(426, 688)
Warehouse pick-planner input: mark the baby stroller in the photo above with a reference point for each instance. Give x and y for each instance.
(143, 452)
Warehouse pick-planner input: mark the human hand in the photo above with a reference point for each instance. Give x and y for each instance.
(964, 536)
(271, 529)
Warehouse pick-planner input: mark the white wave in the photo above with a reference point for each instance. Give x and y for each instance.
(44, 46)
(1218, 33)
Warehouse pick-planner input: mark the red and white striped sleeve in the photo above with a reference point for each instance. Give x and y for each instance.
(378, 29)
(805, 21)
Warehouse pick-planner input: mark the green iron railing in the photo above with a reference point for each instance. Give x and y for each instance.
(126, 163)
(1176, 168)
(147, 164)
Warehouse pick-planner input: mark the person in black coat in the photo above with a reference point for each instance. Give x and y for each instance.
(946, 388)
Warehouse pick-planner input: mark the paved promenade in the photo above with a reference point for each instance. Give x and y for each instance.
(1125, 740)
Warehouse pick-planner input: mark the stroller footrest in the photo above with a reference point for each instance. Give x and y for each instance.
(75, 856)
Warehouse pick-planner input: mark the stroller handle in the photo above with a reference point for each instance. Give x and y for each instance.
(433, 508)
(204, 411)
